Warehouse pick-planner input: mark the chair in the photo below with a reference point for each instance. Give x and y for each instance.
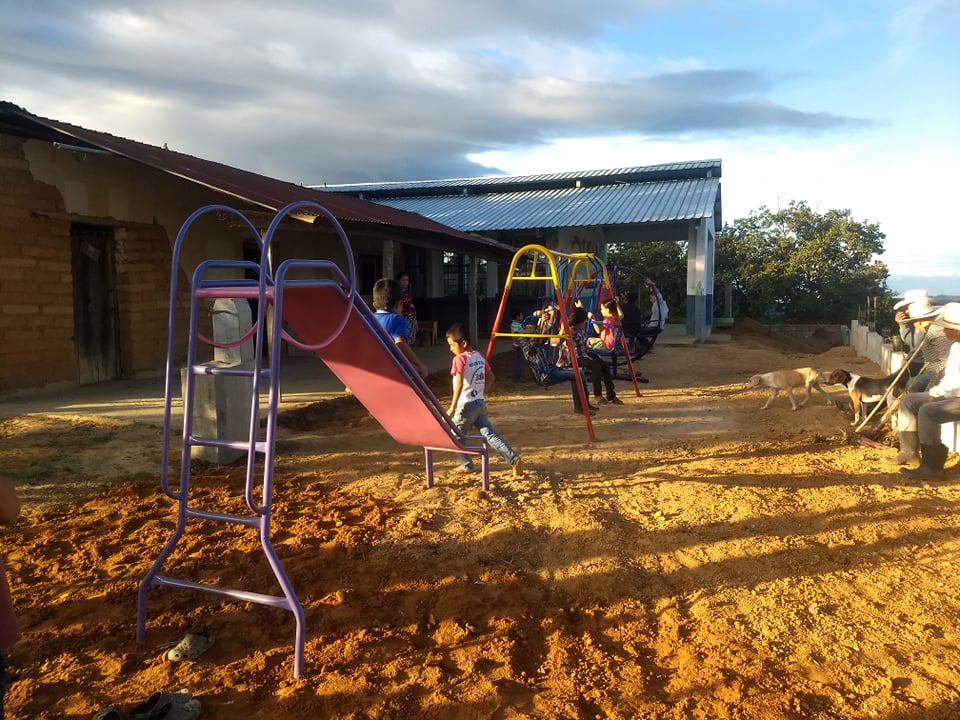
(427, 332)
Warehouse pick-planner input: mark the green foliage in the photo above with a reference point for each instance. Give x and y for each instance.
(798, 265)
(663, 262)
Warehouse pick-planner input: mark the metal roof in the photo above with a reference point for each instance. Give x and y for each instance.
(571, 207)
(260, 190)
(506, 183)
(652, 194)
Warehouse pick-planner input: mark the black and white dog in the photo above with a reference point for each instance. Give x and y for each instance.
(867, 389)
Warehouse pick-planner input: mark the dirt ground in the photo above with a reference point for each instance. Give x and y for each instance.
(701, 560)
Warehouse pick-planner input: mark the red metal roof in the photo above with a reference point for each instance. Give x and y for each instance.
(267, 192)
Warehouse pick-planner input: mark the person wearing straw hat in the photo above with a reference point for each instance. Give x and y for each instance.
(916, 325)
(914, 314)
(924, 412)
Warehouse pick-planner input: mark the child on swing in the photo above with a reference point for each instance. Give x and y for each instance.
(471, 377)
(606, 335)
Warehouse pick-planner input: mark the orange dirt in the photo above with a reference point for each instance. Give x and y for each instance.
(702, 560)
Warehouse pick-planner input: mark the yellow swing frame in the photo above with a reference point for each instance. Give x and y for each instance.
(583, 267)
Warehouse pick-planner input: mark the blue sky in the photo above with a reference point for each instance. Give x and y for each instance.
(845, 105)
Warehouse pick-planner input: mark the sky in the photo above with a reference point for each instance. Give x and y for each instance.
(845, 105)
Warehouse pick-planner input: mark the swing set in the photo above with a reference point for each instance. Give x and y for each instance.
(577, 277)
(639, 335)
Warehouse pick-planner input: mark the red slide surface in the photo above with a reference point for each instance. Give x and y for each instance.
(362, 357)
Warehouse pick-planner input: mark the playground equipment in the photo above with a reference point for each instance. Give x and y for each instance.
(330, 319)
(640, 337)
(573, 277)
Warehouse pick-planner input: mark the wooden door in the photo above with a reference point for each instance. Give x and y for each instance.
(94, 303)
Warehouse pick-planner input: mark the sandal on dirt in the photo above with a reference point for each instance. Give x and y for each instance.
(191, 646)
(108, 713)
(177, 705)
(190, 710)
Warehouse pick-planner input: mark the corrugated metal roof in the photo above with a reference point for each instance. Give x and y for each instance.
(257, 189)
(624, 196)
(504, 183)
(620, 204)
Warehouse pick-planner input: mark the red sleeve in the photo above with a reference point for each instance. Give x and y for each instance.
(456, 367)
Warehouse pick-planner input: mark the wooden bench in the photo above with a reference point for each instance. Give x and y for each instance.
(427, 331)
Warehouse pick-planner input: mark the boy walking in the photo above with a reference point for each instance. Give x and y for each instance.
(471, 377)
(388, 303)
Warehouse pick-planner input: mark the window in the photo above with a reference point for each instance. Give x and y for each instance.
(456, 275)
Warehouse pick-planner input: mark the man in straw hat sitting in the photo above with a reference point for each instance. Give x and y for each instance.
(924, 412)
(914, 315)
(916, 325)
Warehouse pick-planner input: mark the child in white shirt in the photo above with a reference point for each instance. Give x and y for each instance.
(471, 377)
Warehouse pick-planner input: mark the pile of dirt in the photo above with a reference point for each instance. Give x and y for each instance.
(701, 560)
(818, 338)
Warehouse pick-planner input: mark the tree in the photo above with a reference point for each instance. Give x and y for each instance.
(663, 262)
(797, 265)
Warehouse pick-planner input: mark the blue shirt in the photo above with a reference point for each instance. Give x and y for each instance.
(394, 324)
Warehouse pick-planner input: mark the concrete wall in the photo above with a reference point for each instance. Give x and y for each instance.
(870, 344)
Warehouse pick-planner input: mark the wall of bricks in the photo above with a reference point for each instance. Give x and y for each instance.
(36, 295)
(37, 347)
(143, 257)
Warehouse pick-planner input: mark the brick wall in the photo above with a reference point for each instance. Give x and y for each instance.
(36, 284)
(36, 289)
(143, 257)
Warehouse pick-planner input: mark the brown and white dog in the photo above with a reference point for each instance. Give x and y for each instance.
(867, 389)
(806, 378)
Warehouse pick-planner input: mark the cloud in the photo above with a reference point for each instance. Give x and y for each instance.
(370, 89)
(916, 25)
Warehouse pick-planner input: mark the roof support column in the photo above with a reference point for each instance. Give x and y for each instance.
(700, 258)
(472, 325)
(388, 251)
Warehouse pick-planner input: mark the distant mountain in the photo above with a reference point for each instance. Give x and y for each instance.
(945, 285)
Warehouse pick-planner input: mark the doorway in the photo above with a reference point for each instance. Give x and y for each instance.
(94, 303)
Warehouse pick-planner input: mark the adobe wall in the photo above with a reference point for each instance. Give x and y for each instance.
(36, 282)
(36, 296)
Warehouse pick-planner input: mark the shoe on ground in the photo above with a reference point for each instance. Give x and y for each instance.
(178, 705)
(108, 713)
(600, 400)
(518, 468)
(192, 646)
(615, 400)
(591, 408)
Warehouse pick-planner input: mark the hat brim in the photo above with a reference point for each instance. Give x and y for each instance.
(944, 323)
(930, 314)
(910, 297)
